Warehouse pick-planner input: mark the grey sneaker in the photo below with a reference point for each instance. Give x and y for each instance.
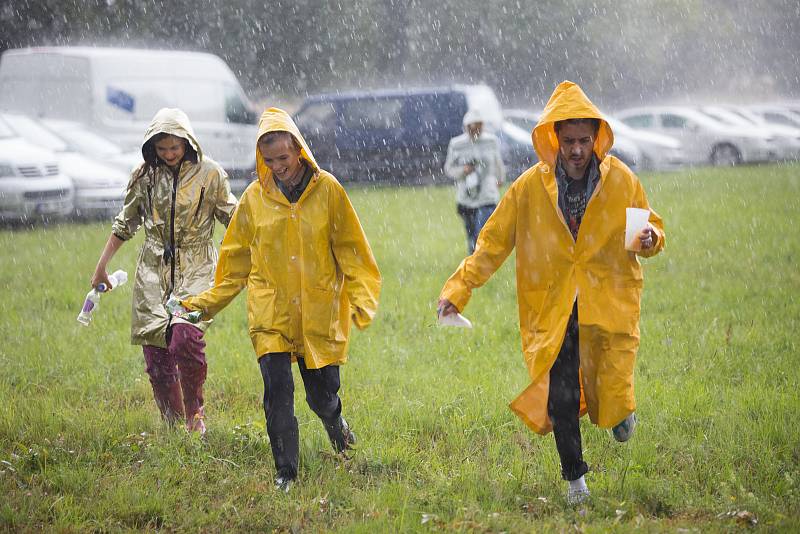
(283, 483)
(623, 431)
(577, 496)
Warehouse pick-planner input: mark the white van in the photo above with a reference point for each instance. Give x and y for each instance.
(116, 91)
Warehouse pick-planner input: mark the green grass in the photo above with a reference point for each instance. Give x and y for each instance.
(82, 446)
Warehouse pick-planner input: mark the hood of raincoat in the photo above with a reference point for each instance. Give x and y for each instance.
(568, 101)
(277, 120)
(173, 121)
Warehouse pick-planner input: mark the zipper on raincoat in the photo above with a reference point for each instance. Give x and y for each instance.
(200, 202)
(169, 253)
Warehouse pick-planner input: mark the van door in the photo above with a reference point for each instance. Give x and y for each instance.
(369, 141)
(318, 124)
(429, 122)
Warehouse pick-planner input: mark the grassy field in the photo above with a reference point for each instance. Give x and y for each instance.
(82, 447)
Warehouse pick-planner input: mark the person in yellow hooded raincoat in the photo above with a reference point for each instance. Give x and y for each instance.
(578, 287)
(296, 243)
(177, 195)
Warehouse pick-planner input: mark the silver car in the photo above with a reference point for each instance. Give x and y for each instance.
(99, 188)
(31, 186)
(787, 139)
(704, 140)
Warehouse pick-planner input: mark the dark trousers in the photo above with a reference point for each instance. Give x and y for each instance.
(183, 360)
(322, 387)
(563, 403)
(474, 220)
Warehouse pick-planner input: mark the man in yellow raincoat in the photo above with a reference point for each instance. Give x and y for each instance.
(578, 287)
(296, 243)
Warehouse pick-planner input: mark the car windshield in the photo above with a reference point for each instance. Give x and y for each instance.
(35, 133)
(5, 131)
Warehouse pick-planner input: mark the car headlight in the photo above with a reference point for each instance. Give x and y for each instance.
(6, 170)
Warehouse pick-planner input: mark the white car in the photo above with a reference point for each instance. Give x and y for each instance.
(658, 152)
(93, 145)
(704, 140)
(787, 138)
(626, 146)
(99, 188)
(31, 186)
(775, 114)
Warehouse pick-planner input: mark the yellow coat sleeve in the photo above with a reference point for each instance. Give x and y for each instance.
(362, 279)
(233, 268)
(655, 220)
(495, 243)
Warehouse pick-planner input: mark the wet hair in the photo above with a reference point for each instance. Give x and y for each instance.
(151, 159)
(595, 123)
(270, 137)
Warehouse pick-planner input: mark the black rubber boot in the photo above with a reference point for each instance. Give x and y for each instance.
(342, 438)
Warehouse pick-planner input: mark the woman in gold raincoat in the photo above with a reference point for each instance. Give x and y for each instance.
(177, 194)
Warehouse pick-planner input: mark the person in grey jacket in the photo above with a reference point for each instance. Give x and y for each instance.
(474, 162)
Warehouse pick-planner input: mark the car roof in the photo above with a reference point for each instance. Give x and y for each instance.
(388, 93)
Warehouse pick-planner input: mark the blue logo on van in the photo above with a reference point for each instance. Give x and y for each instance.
(120, 99)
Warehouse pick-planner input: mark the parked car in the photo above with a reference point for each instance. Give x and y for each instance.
(775, 114)
(626, 147)
(99, 188)
(516, 148)
(657, 152)
(31, 185)
(787, 138)
(398, 136)
(704, 140)
(93, 145)
(116, 91)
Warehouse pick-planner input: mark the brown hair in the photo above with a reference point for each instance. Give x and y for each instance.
(151, 159)
(270, 137)
(582, 120)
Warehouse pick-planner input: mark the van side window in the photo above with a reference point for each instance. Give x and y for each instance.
(236, 111)
(373, 114)
(316, 118)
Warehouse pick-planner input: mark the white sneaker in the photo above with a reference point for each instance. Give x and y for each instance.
(623, 431)
(577, 496)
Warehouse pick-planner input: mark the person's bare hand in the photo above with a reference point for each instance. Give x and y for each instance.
(100, 276)
(445, 307)
(648, 238)
(468, 168)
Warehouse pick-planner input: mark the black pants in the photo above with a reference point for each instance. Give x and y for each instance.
(322, 387)
(563, 403)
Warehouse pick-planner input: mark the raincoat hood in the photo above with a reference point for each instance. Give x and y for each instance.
(277, 120)
(568, 101)
(173, 121)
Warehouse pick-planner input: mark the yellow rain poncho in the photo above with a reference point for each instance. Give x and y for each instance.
(307, 266)
(178, 213)
(553, 269)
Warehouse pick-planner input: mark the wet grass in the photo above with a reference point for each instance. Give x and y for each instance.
(82, 447)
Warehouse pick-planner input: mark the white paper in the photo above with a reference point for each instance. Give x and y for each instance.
(635, 223)
(454, 319)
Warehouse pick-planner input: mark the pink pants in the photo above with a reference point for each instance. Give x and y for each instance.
(184, 360)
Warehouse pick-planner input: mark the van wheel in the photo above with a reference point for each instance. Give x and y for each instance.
(725, 155)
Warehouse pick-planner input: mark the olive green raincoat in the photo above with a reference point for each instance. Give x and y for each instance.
(178, 214)
(307, 266)
(553, 269)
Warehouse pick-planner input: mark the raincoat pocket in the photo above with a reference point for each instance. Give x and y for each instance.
(530, 307)
(620, 313)
(260, 308)
(319, 312)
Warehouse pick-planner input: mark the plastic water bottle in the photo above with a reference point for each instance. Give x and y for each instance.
(117, 278)
(175, 309)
